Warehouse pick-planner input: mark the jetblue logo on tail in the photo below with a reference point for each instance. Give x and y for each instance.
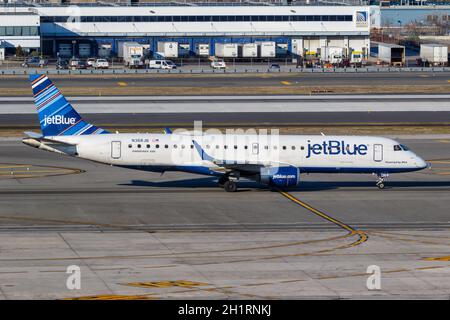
(58, 119)
(335, 147)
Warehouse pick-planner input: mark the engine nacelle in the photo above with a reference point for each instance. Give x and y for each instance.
(280, 176)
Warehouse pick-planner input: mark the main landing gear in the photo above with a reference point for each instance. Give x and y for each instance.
(228, 183)
(381, 179)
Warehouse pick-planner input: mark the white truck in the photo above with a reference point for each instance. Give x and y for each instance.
(333, 55)
(133, 54)
(168, 49)
(226, 50)
(249, 50)
(356, 58)
(266, 49)
(434, 54)
(392, 54)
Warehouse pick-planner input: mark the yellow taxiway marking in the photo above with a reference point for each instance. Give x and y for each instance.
(443, 173)
(439, 161)
(444, 258)
(166, 284)
(31, 171)
(444, 141)
(286, 83)
(122, 84)
(362, 236)
(424, 76)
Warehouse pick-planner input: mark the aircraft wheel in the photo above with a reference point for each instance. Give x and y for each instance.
(380, 185)
(222, 180)
(230, 186)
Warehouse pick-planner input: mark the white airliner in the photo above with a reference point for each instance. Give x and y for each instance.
(275, 161)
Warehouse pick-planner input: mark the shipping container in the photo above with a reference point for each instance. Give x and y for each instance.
(393, 54)
(434, 54)
(168, 49)
(202, 49)
(226, 50)
(266, 49)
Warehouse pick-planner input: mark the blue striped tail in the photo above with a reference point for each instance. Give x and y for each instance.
(57, 117)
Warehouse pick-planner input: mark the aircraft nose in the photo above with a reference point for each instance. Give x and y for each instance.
(421, 163)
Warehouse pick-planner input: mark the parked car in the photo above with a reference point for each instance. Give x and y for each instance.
(101, 64)
(82, 65)
(73, 64)
(218, 64)
(161, 64)
(274, 66)
(62, 65)
(35, 62)
(90, 62)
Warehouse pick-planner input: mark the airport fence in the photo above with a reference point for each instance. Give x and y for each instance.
(226, 71)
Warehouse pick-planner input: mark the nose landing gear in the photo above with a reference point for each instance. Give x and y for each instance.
(381, 179)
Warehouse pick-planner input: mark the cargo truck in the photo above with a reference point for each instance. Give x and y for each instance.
(226, 50)
(356, 58)
(333, 55)
(266, 49)
(392, 54)
(168, 49)
(434, 54)
(133, 54)
(249, 50)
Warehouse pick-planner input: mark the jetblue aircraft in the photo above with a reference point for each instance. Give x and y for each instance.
(275, 161)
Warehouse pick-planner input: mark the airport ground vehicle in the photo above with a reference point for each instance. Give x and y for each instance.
(101, 64)
(275, 161)
(218, 64)
(35, 62)
(332, 55)
(161, 64)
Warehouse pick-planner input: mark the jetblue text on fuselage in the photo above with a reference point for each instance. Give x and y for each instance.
(58, 119)
(335, 147)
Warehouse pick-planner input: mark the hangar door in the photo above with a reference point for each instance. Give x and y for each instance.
(378, 152)
(115, 149)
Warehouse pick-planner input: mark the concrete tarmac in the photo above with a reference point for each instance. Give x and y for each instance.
(141, 235)
(233, 80)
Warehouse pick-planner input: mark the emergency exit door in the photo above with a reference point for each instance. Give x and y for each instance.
(115, 149)
(378, 152)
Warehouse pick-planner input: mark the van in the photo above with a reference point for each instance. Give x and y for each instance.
(161, 64)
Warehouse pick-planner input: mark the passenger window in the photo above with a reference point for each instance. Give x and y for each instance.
(266, 147)
(217, 146)
(148, 146)
(275, 147)
(192, 146)
(130, 145)
(397, 148)
(139, 146)
(302, 148)
(245, 147)
(293, 147)
(225, 146)
(157, 146)
(182, 146)
(284, 147)
(174, 146)
(166, 146)
(235, 147)
(207, 146)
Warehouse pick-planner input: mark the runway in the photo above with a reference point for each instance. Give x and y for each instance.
(248, 111)
(145, 236)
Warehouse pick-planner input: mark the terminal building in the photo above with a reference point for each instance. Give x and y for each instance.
(186, 30)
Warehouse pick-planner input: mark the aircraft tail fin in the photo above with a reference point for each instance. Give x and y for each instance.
(57, 117)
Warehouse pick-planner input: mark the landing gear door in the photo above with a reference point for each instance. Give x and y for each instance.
(115, 149)
(378, 152)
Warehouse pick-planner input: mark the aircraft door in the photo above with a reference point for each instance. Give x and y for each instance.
(378, 152)
(115, 149)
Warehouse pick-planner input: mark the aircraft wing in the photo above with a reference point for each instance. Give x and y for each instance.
(231, 165)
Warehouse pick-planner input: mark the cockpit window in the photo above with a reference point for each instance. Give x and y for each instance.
(405, 148)
(397, 147)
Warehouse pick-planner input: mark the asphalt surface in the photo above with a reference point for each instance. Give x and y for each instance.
(138, 235)
(117, 196)
(230, 80)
